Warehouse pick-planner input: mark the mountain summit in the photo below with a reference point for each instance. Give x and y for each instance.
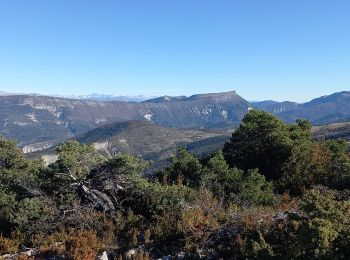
(41, 121)
(323, 110)
(38, 122)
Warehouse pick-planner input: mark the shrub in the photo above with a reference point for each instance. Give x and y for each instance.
(8, 245)
(83, 245)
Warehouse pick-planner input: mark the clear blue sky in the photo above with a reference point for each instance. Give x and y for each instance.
(263, 49)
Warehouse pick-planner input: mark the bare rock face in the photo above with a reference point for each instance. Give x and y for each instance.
(102, 256)
(276, 107)
(30, 148)
(38, 122)
(23, 255)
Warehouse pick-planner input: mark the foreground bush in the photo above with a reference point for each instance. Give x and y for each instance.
(272, 193)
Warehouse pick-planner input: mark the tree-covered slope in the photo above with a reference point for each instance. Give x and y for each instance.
(274, 192)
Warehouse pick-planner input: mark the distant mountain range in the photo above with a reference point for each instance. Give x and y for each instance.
(320, 111)
(106, 97)
(39, 122)
(93, 96)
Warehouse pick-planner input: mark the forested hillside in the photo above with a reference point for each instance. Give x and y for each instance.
(144, 140)
(272, 192)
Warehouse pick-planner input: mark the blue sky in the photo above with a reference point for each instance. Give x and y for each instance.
(282, 50)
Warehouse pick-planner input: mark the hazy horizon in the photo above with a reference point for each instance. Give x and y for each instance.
(145, 97)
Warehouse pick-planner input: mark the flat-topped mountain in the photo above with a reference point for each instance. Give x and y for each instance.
(216, 97)
(165, 99)
(39, 122)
